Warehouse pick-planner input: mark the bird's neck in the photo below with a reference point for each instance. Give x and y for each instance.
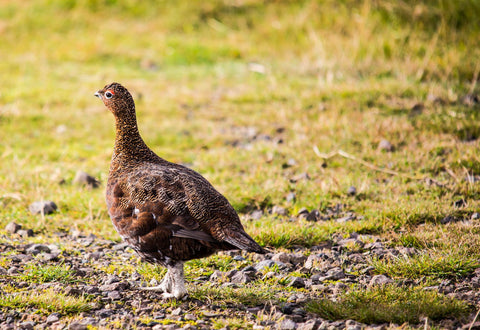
(129, 145)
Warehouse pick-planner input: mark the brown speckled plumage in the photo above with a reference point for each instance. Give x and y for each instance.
(168, 213)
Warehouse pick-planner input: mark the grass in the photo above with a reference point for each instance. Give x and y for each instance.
(48, 273)
(389, 304)
(47, 301)
(237, 90)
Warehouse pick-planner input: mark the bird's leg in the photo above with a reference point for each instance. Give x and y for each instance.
(178, 280)
(164, 286)
(173, 284)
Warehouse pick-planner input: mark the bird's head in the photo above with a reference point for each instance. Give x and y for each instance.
(117, 99)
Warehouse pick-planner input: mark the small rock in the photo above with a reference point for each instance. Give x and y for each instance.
(190, 317)
(38, 248)
(264, 264)
(77, 326)
(112, 279)
(12, 227)
(380, 280)
(238, 258)
(385, 145)
(25, 233)
(460, 203)
(114, 295)
(313, 216)
(241, 277)
(309, 325)
(447, 219)
(282, 257)
(3, 271)
(352, 191)
(279, 210)
(287, 324)
(43, 207)
(470, 99)
(176, 312)
(86, 179)
(26, 325)
(257, 214)
(349, 217)
(291, 196)
(297, 282)
(54, 317)
(475, 216)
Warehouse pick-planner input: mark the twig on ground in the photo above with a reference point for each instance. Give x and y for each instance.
(374, 167)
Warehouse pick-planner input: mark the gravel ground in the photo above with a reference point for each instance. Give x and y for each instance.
(116, 300)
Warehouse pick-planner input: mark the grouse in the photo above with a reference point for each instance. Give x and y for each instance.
(166, 212)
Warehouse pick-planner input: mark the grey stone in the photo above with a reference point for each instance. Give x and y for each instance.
(380, 280)
(43, 207)
(291, 196)
(313, 216)
(257, 214)
(287, 324)
(86, 179)
(276, 209)
(54, 317)
(114, 295)
(26, 325)
(475, 216)
(38, 248)
(25, 233)
(297, 282)
(238, 258)
(77, 326)
(352, 191)
(241, 277)
(264, 264)
(282, 257)
(309, 325)
(12, 227)
(176, 312)
(385, 145)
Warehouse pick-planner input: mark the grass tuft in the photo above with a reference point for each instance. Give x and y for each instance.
(389, 304)
(47, 301)
(434, 264)
(48, 273)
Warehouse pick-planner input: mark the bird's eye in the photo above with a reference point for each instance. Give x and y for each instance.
(108, 95)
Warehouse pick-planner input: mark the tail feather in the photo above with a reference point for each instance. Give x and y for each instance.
(243, 241)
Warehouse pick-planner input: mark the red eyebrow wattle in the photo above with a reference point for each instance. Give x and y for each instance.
(108, 90)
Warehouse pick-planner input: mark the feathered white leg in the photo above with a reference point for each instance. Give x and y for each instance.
(173, 284)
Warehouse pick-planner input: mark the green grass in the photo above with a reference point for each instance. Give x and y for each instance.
(389, 304)
(47, 301)
(48, 273)
(329, 75)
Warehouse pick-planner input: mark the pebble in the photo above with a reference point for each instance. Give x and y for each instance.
(475, 216)
(352, 191)
(43, 207)
(291, 197)
(313, 216)
(77, 326)
(256, 215)
(38, 248)
(25, 233)
(86, 179)
(385, 145)
(380, 280)
(54, 317)
(296, 282)
(287, 324)
(12, 227)
(278, 210)
(264, 264)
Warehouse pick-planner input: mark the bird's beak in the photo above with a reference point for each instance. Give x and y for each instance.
(98, 94)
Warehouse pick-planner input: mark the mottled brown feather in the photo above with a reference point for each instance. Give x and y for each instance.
(165, 211)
